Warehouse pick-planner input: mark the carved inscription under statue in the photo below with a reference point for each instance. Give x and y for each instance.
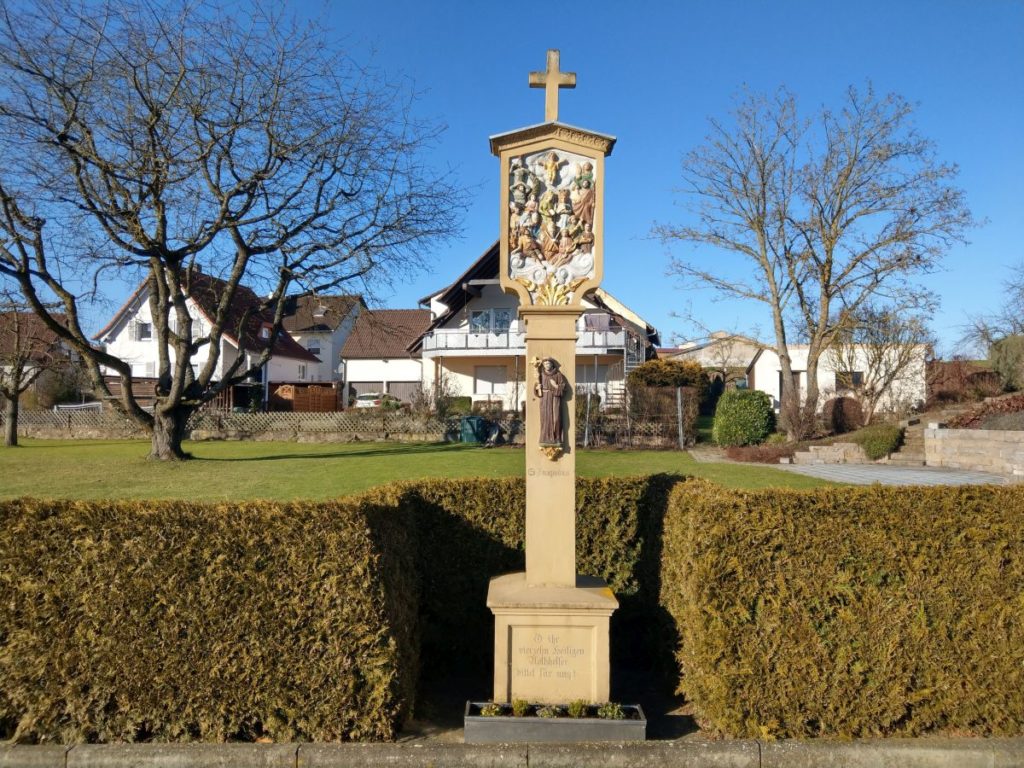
(543, 656)
(552, 197)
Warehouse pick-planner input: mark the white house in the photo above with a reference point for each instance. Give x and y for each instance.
(130, 334)
(722, 354)
(322, 325)
(475, 342)
(376, 356)
(859, 367)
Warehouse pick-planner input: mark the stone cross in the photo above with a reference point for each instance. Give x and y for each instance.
(551, 624)
(551, 80)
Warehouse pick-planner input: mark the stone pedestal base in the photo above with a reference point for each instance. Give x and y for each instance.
(551, 644)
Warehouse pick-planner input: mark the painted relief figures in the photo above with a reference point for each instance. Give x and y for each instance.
(552, 197)
(550, 386)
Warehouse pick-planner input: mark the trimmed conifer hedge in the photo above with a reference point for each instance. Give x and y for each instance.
(163, 621)
(849, 611)
(124, 621)
(472, 530)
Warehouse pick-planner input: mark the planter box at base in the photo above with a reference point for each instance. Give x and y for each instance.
(560, 730)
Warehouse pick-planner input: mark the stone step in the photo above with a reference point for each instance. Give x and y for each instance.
(905, 462)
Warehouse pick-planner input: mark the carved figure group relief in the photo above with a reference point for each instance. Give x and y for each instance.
(552, 196)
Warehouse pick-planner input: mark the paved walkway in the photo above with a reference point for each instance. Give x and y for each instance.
(866, 474)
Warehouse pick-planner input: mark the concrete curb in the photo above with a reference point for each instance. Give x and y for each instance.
(690, 753)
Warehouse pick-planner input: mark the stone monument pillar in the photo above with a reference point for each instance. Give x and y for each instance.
(551, 626)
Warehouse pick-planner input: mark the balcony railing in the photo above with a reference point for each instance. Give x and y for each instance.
(592, 342)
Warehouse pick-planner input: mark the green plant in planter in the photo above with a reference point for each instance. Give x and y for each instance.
(578, 708)
(520, 708)
(549, 711)
(491, 710)
(611, 711)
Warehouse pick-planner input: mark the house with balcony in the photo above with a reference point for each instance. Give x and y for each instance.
(477, 345)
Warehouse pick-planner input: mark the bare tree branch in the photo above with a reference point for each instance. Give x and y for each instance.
(827, 216)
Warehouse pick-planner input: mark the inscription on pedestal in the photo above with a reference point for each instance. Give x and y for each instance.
(546, 658)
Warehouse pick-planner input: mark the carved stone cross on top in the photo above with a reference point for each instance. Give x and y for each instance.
(551, 80)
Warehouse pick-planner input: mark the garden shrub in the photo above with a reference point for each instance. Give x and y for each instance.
(878, 440)
(743, 417)
(766, 453)
(842, 414)
(459, 405)
(172, 621)
(849, 611)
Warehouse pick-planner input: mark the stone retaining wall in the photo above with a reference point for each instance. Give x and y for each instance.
(837, 453)
(985, 450)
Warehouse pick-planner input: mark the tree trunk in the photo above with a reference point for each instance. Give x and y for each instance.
(168, 433)
(809, 412)
(11, 423)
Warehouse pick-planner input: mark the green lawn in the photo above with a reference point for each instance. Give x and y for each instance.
(249, 470)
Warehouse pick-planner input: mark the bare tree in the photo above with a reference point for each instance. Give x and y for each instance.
(880, 358)
(27, 349)
(1001, 333)
(824, 215)
(150, 140)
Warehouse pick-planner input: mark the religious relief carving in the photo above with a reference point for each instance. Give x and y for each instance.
(552, 200)
(550, 385)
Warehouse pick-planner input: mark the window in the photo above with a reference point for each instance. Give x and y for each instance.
(141, 331)
(314, 347)
(490, 320)
(302, 371)
(585, 374)
(849, 379)
(489, 379)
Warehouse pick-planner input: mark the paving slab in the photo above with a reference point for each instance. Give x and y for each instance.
(735, 753)
(44, 756)
(868, 474)
(412, 756)
(904, 753)
(182, 756)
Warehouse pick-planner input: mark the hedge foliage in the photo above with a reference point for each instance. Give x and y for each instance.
(472, 530)
(743, 417)
(849, 611)
(124, 621)
(174, 621)
(670, 373)
(878, 440)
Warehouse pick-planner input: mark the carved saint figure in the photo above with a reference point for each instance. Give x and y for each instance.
(550, 387)
(552, 166)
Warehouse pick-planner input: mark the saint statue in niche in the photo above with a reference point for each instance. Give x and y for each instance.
(550, 386)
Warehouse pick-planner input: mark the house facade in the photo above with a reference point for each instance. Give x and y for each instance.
(322, 325)
(131, 336)
(725, 356)
(475, 344)
(376, 356)
(856, 369)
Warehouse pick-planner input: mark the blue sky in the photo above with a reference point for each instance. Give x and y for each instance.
(651, 73)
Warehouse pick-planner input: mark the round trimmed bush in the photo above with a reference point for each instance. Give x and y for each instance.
(743, 417)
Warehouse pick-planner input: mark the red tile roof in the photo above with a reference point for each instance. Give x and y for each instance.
(206, 291)
(307, 312)
(385, 333)
(24, 334)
